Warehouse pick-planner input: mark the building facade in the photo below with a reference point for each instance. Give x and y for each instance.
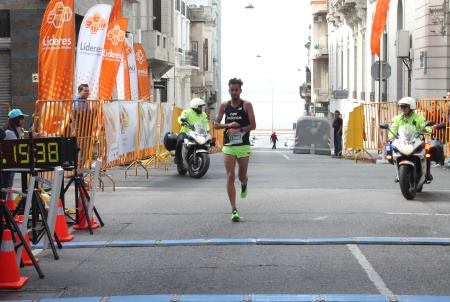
(181, 49)
(421, 69)
(205, 38)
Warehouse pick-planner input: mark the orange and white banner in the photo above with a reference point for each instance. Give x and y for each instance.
(134, 85)
(112, 55)
(123, 77)
(129, 123)
(113, 133)
(142, 72)
(57, 51)
(91, 40)
(148, 123)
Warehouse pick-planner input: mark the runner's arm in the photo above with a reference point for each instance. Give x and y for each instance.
(251, 116)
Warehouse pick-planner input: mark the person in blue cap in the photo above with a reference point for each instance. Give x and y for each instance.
(14, 127)
(13, 130)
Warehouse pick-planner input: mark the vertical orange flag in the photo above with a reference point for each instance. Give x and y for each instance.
(116, 11)
(57, 51)
(112, 51)
(379, 21)
(112, 54)
(143, 72)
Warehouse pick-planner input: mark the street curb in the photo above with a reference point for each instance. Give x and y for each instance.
(252, 298)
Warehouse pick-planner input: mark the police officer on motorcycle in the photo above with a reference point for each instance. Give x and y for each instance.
(192, 115)
(410, 117)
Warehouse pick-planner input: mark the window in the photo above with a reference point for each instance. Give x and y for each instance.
(205, 55)
(157, 15)
(158, 40)
(183, 8)
(5, 25)
(164, 42)
(178, 5)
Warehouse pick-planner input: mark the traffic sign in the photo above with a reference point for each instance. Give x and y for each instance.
(375, 70)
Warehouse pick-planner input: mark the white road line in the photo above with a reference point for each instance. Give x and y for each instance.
(284, 155)
(373, 275)
(321, 218)
(417, 214)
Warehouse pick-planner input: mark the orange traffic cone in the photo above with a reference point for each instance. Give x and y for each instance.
(10, 202)
(61, 228)
(26, 260)
(83, 225)
(9, 274)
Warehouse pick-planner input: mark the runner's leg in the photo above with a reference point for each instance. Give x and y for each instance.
(230, 166)
(242, 174)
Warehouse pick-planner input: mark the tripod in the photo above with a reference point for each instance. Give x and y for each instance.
(38, 213)
(82, 198)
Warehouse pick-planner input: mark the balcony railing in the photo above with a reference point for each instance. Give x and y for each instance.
(340, 94)
(320, 95)
(190, 57)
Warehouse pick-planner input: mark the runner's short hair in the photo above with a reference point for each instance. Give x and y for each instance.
(235, 81)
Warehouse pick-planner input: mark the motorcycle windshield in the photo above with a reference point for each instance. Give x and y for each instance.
(201, 128)
(407, 133)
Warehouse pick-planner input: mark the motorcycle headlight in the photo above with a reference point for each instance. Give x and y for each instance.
(407, 148)
(200, 140)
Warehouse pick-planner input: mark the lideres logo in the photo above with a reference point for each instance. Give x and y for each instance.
(116, 35)
(95, 23)
(140, 57)
(59, 15)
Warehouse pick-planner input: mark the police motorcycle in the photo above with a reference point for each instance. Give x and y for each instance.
(195, 149)
(410, 155)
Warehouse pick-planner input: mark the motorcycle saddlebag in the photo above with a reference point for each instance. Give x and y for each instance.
(170, 141)
(437, 151)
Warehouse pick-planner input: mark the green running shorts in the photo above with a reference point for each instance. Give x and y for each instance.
(238, 151)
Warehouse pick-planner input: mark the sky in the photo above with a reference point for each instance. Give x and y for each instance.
(276, 31)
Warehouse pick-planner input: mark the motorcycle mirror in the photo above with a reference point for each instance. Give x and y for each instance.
(429, 123)
(384, 126)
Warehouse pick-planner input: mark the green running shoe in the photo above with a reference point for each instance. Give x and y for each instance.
(243, 191)
(235, 216)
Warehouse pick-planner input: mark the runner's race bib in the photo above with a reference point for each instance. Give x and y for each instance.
(235, 139)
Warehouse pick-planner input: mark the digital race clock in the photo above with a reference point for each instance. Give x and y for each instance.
(40, 153)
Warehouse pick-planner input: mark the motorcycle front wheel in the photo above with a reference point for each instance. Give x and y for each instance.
(200, 167)
(407, 182)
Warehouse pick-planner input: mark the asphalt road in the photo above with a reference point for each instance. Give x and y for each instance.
(290, 196)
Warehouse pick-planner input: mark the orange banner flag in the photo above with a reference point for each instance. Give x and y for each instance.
(379, 21)
(116, 12)
(57, 51)
(112, 55)
(144, 76)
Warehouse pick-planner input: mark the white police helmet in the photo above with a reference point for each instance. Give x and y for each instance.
(411, 102)
(197, 102)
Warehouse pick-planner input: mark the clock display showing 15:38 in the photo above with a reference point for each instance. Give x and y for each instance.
(48, 152)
